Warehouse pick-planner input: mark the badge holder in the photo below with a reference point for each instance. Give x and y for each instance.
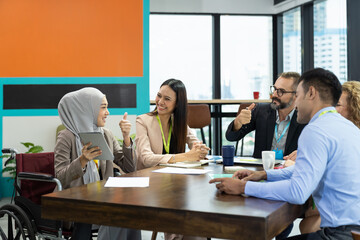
(279, 155)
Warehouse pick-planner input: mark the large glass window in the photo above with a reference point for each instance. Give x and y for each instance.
(292, 40)
(246, 65)
(246, 56)
(181, 48)
(330, 37)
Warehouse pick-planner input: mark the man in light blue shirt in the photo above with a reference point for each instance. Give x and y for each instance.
(327, 164)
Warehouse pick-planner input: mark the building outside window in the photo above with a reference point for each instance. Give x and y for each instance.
(330, 37)
(292, 40)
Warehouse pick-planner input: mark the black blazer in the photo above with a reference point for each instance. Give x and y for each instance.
(263, 119)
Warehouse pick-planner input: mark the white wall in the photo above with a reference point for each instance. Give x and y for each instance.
(223, 6)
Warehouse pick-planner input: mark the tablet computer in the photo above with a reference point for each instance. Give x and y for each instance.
(97, 140)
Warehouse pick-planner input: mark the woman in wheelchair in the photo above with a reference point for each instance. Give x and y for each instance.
(86, 110)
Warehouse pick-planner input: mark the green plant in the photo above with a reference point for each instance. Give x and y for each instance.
(10, 164)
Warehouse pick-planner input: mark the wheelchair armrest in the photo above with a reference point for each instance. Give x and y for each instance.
(35, 176)
(39, 177)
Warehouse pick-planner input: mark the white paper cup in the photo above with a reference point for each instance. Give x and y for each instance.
(268, 159)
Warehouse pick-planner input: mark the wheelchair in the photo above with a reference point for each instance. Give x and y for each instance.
(34, 178)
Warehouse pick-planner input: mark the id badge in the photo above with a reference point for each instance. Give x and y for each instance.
(279, 155)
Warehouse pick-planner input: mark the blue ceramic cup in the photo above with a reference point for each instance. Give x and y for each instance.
(228, 153)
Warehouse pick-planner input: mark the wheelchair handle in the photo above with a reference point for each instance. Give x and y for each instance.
(11, 151)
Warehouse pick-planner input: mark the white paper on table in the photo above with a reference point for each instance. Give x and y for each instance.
(127, 182)
(233, 169)
(181, 171)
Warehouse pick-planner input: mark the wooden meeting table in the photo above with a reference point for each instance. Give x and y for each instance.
(174, 203)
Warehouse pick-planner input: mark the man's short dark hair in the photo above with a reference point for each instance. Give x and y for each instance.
(325, 82)
(293, 75)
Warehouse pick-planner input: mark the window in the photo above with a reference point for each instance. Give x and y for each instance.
(292, 40)
(330, 25)
(181, 48)
(246, 56)
(246, 64)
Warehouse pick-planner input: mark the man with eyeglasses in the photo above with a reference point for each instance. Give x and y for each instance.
(327, 166)
(275, 122)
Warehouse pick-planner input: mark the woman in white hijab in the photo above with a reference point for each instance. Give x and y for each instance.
(86, 110)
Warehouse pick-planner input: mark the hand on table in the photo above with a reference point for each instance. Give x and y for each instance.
(199, 150)
(288, 163)
(229, 185)
(249, 175)
(291, 156)
(290, 159)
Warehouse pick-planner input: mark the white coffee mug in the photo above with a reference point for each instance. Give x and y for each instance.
(268, 159)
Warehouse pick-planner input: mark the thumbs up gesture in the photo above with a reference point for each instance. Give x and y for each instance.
(244, 117)
(125, 127)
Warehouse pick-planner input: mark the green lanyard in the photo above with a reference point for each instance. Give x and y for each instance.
(329, 111)
(166, 145)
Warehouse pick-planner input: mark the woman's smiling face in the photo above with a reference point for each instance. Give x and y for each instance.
(165, 100)
(103, 113)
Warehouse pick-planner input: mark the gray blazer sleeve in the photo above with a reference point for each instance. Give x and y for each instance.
(67, 163)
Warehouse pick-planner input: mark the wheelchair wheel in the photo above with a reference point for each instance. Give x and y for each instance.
(19, 226)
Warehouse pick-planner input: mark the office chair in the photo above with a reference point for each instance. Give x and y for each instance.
(199, 117)
(241, 107)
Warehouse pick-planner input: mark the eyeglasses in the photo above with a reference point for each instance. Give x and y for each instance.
(280, 91)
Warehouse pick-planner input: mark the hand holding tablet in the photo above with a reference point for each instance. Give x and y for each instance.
(97, 139)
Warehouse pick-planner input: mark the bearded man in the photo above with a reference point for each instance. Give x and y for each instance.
(275, 122)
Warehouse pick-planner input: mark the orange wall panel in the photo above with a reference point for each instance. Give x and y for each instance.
(78, 38)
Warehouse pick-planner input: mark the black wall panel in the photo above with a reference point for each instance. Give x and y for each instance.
(40, 96)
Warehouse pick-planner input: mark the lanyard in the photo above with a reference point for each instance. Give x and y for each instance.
(328, 111)
(166, 145)
(282, 134)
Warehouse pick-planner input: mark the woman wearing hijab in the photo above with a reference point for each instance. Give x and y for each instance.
(86, 110)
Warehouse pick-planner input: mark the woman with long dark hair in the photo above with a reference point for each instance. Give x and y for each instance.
(162, 134)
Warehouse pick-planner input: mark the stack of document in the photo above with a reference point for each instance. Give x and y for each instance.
(184, 164)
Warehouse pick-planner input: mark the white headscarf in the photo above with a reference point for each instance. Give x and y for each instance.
(78, 112)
